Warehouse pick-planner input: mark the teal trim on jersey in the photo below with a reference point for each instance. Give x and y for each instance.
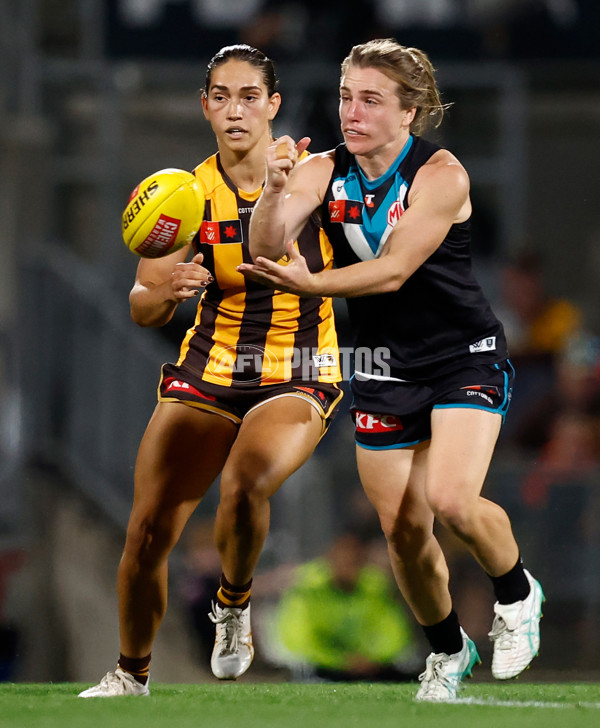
(399, 446)
(374, 183)
(355, 183)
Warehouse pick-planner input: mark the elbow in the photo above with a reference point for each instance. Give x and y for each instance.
(137, 312)
(266, 251)
(144, 320)
(392, 283)
(138, 319)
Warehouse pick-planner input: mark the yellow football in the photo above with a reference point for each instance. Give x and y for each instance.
(163, 214)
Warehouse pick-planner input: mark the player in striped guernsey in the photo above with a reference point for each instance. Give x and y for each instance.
(397, 210)
(249, 398)
(246, 333)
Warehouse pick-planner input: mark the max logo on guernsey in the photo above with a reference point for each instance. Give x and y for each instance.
(395, 212)
(366, 422)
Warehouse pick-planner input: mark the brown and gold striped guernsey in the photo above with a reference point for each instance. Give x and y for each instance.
(244, 333)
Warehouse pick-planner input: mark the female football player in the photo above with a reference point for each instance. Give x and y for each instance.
(249, 397)
(396, 209)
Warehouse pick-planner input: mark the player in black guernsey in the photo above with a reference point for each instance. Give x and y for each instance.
(238, 403)
(432, 380)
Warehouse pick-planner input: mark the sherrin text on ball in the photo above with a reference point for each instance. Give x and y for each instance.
(163, 214)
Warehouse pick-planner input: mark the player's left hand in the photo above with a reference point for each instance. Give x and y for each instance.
(295, 277)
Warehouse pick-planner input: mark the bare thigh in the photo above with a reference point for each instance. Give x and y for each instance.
(462, 445)
(181, 454)
(394, 482)
(274, 440)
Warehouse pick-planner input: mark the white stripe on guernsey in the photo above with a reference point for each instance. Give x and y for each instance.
(358, 242)
(353, 231)
(379, 377)
(525, 703)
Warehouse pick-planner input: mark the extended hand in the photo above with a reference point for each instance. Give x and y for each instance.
(295, 277)
(188, 278)
(282, 156)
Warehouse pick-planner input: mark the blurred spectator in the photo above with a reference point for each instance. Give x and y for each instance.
(571, 455)
(341, 618)
(538, 329)
(570, 404)
(560, 492)
(535, 322)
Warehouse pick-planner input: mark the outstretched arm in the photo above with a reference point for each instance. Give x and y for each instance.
(440, 198)
(162, 284)
(293, 191)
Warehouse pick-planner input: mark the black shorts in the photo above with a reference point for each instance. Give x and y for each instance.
(233, 403)
(395, 414)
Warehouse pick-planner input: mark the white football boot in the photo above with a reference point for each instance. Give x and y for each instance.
(516, 632)
(233, 651)
(115, 684)
(444, 673)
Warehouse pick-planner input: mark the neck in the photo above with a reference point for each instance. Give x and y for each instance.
(377, 162)
(246, 169)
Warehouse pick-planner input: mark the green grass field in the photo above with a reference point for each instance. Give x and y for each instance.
(293, 705)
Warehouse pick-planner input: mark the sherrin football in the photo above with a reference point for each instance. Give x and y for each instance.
(163, 214)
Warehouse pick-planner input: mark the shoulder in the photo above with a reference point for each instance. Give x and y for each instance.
(445, 166)
(313, 172)
(442, 171)
(208, 173)
(317, 163)
(210, 163)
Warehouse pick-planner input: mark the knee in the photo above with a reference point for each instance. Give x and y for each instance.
(242, 493)
(148, 541)
(406, 536)
(454, 515)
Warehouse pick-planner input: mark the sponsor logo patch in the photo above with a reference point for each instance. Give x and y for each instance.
(176, 385)
(395, 212)
(162, 236)
(366, 422)
(487, 344)
(324, 360)
(484, 391)
(346, 211)
(316, 393)
(219, 232)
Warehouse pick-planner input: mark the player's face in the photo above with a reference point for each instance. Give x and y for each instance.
(238, 105)
(372, 119)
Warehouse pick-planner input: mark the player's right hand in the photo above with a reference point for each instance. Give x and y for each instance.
(188, 278)
(282, 156)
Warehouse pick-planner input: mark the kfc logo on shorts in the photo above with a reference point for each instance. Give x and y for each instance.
(366, 422)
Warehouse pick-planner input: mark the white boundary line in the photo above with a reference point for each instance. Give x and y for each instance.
(492, 702)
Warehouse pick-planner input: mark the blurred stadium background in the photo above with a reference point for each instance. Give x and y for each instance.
(95, 95)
